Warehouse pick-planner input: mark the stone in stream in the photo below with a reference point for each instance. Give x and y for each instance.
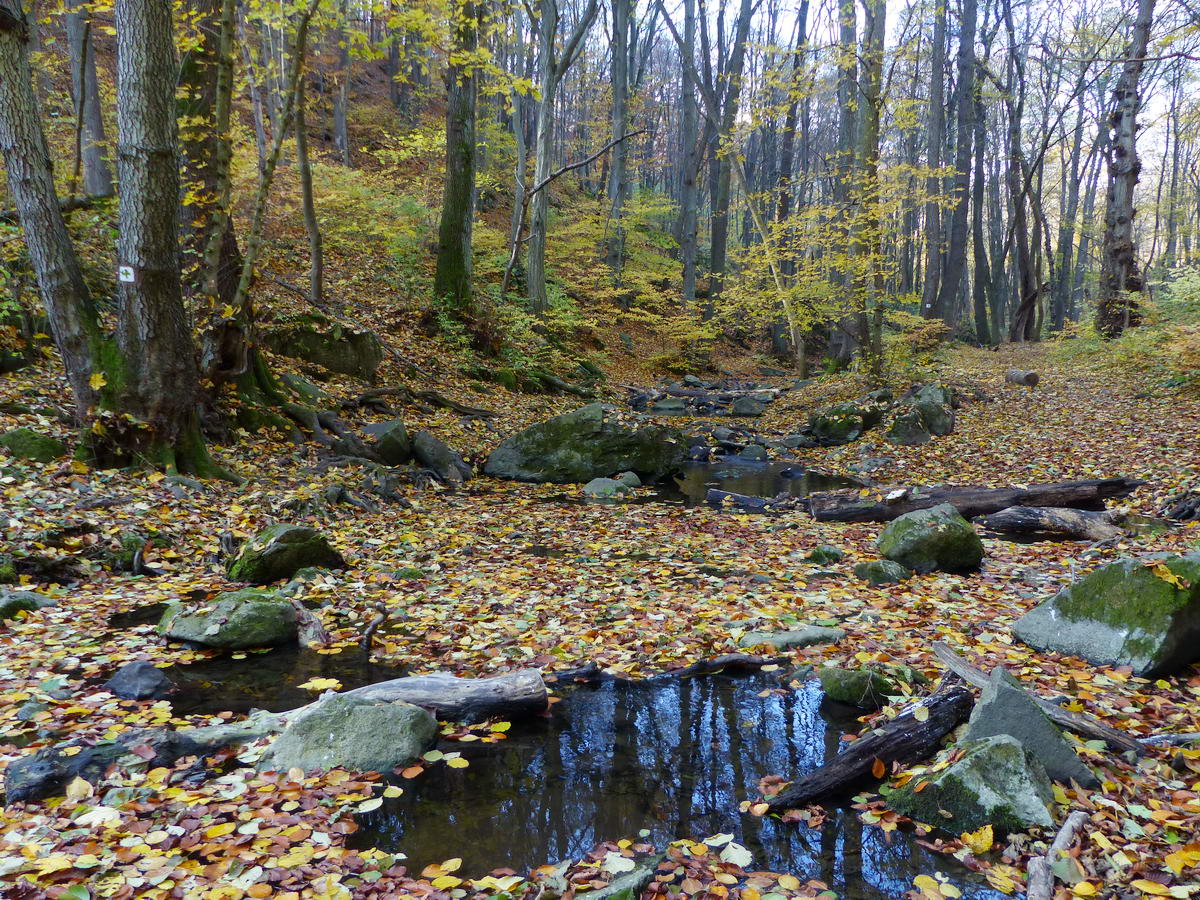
(998, 782)
(236, 620)
(593, 441)
(13, 602)
(446, 464)
(138, 680)
(864, 688)
(754, 453)
(353, 733)
(932, 539)
(25, 443)
(670, 406)
(1005, 708)
(278, 552)
(882, 571)
(1144, 614)
(630, 479)
(808, 636)
(605, 488)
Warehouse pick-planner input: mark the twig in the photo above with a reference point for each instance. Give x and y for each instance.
(369, 633)
(1040, 881)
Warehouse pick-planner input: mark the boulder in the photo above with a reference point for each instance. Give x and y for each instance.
(356, 353)
(279, 552)
(436, 456)
(864, 688)
(938, 419)
(605, 488)
(931, 539)
(808, 636)
(1005, 708)
(25, 443)
(13, 602)
(747, 406)
(998, 782)
(882, 571)
(393, 445)
(823, 554)
(593, 441)
(670, 406)
(754, 453)
(908, 429)
(138, 680)
(630, 479)
(1142, 614)
(837, 425)
(235, 620)
(353, 733)
(940, 394)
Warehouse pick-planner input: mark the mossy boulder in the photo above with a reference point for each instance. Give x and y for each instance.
(864, 688)
(882, 571)
(908, 429)
(279, 552)
(353, 733)
(15, 602)
(605, 489)
(997, 782)
(837, 425)
(593, 441)
(392, 442)
(823, 554)
(25, 443)
(235, 620)
(932, 539)
(1139, 613)
(356, 353)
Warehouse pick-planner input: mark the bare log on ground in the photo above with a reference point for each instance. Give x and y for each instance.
(1077, 723)
(1040, 883)
(1184, 507)
(1021, 377)
(730, 662)
(904, 739)
(1087, 525)
(970, 501)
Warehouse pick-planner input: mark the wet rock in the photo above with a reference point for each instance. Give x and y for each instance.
(808, 636)
(747, 406)
(590, 442)
(837, 425)
(138, 680)
(908, 429)
(630, 479)
(932, 539)
(436, 456)
(1005, 708)
(797, 441)
(356, 353)
(1124, 614)
(236, 620)
(997, 782)
(670, 406)
(354, 733)
(278, 552)
(605, 488)
(393, 445)
(864, 688)
(882, 571)
(824, 554)
(754, 453)
(25, 443)
(13, 602)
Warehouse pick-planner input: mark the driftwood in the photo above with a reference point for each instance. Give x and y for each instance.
(891, 502)
(1072, 523)
(1078, 723)
(904, 739)
(1040, 883)
(1021, 377)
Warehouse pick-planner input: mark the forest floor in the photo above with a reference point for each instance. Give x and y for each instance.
(642, 588)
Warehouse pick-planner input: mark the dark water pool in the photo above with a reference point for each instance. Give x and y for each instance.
(673, 757)
(755, 479)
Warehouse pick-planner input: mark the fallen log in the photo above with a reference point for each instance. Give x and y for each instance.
(904, 739)
(887, 503)
(1071, 523)
(1040, 880)
(1077, 723)
(730, 662)
(745, 501)
(1022, 378)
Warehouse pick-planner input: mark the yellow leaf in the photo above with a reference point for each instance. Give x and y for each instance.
(1183, 857)
(97, 381)
(216, 831)
(457, 763)
(789, 882)
(921, 713)
(369, 805)
(78, 790)
(1151, 887)
(54, 863)
(979, 841)
(1160, 570)
(446, 881)
(321, 684)
(452, 865)
(1084, 889)
(392, 791)
(929, 887)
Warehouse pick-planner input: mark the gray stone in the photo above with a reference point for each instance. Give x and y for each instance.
(670, 406)
(1124, 614)
(825, 554)
(882, 571)
(754, 453)
(436, 456)
(593, 441)
(808, 636)
(932, 539)
(605, 488)
(630, 479)
(998, 782)
(1005, 708)
(236, 620)
(747, 406)
(138, 680)
(693, 381)
(864, 688)
(279, 552)
(837, 425)
(13, 602)
(941, 394)
(392, 442)
(353, 733)
(908, 429)
(25, 443)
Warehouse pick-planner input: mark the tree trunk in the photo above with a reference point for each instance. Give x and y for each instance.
(1060, 522)
(1061, 290)
(615, 251)
(869, 236)
(689, 194)
(933, 159)
(1120, 276)
(97, 177)
(64, 294)
(316, 259)
(981, 284)
(341, 93)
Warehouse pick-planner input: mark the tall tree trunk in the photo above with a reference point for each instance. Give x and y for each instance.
(64, 293)
(97, 177)
(341, 92)
(870, 236)
(981, 284)
(1061, 289)
(689, 195)
(452, 281)
(316, 257)
(615, 251)
(933, 159)
(956, 254)
(1120, 277)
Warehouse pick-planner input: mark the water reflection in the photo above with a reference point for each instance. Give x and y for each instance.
(672, 756)
(755, 479)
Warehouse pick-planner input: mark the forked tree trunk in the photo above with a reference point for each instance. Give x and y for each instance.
(97, 177)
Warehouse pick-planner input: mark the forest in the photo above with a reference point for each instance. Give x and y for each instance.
(599, 449)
